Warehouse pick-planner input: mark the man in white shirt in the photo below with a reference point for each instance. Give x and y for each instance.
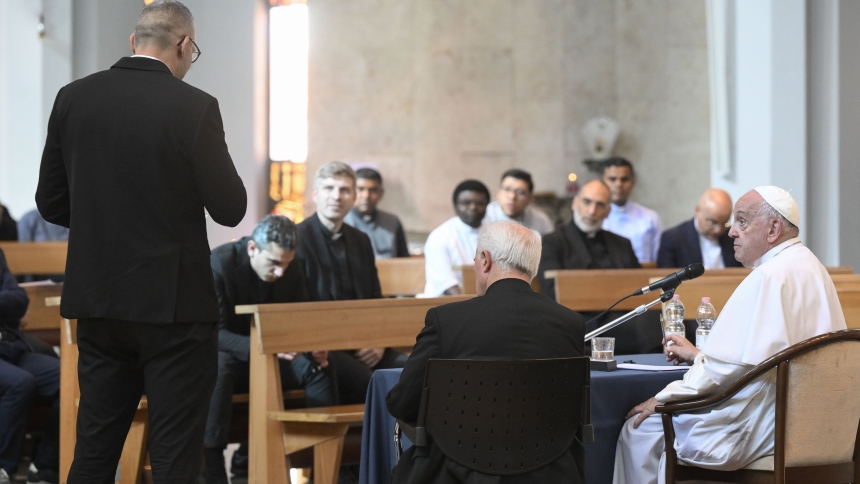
(629, 219)
(514, 203)
(453, 243)
(787, 298)
(702, 239)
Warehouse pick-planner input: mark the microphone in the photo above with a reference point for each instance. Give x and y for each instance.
(672, 281)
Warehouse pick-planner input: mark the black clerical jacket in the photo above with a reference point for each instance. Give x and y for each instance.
(231, 267)
(510, 321)
(133, 161)
(565, 249)
(680, 247)
(321, 269)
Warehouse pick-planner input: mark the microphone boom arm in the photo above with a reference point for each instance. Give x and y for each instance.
(632, 314)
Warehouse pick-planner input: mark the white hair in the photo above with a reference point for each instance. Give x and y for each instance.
(512, 246)
(766, 210)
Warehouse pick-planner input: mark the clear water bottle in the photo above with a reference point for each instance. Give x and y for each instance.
(705, 316)
(674, 318)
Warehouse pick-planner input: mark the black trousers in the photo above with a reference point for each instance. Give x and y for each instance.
(353, 376)
(233, 376)
(21, 381)
(174, 364)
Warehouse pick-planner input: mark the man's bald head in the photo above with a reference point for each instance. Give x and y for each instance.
(713, 212)
(757, 228)
(162, 24)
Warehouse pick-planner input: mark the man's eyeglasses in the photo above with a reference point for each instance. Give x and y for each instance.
(195, 54)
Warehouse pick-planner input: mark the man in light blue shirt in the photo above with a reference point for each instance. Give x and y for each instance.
(629, 219)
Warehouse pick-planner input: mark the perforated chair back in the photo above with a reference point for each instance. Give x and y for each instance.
(505, 417)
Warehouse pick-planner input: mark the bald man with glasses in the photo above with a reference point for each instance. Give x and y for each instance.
(133, 161)
(702, 239)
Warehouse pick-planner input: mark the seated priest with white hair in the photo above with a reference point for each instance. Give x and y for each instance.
(507, 321)
(787, 298)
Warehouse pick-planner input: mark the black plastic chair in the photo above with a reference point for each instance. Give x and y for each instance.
(503, 417)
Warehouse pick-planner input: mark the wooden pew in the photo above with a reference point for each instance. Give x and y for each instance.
(597, 289)
(401, 276)
(39, 315)
(36, 258)
(336, 325)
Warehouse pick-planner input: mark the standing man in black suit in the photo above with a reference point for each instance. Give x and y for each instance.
(257, 270)
(703, 239)
(339, 265)
(132, 159)
(582, 243)
(507, 321)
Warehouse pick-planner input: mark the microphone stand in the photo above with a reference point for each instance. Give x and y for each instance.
(666, 296)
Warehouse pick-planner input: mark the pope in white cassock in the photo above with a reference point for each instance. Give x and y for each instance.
(787, 298)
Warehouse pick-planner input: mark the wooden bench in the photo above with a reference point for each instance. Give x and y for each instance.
(597, 289)
(401, 276)
(275, 433)
(36, 258)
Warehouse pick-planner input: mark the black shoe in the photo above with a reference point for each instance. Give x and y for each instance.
(42, 476)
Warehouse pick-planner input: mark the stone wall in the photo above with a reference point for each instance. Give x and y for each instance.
(433, 92)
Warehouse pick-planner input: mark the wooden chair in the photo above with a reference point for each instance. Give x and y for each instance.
(817, 415)
(335, 325)
(472, 424)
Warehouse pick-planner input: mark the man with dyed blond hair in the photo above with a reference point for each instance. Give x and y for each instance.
(339, 265)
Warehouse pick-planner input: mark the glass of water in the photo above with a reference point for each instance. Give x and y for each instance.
(602, 349)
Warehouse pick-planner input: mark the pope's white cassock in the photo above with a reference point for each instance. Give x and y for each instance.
(787, 298)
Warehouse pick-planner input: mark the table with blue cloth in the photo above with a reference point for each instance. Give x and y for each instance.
(613, 394)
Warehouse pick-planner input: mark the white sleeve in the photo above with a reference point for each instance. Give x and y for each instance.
(438, 266)
(706, 376)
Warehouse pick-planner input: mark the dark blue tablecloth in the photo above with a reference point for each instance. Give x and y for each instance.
(613, 394)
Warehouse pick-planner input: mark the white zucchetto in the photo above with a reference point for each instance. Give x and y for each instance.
(782, 202)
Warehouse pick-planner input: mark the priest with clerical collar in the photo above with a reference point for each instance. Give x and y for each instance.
(787, 298)
(583, 243)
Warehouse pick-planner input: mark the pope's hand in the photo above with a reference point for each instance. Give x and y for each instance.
(680, 351)
(644, 409)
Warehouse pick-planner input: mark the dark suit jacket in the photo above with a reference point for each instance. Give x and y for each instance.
(132, 158)
(679, 247)
(321, 270)
(231, 267)
(510, 321)
(565, 249)
(8, 226)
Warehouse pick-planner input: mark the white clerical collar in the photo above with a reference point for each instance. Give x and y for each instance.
(150, 57)
(775, 251)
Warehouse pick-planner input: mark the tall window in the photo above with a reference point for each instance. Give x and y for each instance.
(288, 105)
